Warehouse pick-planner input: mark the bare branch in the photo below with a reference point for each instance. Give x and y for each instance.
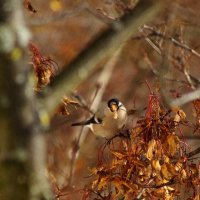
(186, 98)
(102, 82)
(173, 40)
(104, 46)
(193, 153)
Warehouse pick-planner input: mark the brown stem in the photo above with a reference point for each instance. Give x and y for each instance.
(193, 153)
(110, 41)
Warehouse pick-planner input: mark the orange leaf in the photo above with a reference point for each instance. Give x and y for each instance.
(102, 183)
(166, 174)
(151, 149)
(173, 144)
(118, 154)
(156, 165)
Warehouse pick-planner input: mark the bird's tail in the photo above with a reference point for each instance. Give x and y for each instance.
(92, 120)
(80, 123)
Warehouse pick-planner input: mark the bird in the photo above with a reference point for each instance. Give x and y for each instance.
(108, 120)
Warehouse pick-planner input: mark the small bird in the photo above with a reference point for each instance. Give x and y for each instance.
(108, 120)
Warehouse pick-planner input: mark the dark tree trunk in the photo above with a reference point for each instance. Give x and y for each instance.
(18, 117)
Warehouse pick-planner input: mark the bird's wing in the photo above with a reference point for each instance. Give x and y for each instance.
(92, 120)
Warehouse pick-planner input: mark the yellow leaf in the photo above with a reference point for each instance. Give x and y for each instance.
(44, 118)
(93, 170)
(160, 180)
(16, 54)
(171, 169)
(55, 5)
(156, 165)
(178, 166)
(196, 197)
(173, 144)
(168, 171)
(129, 172)
(183, 174)
(166, 159)
(118, 154)
(151, 149)
(180, 115)
(135, 132)
(166, 174)
(103, 182)
(94, 183)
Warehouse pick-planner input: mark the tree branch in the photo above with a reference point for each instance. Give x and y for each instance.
(104, 46)
(102, 81)
(186, 98)
(193, 153)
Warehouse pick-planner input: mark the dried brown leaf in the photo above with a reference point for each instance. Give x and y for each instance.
(180, 115)
(166, 173)
(156, 165)
(103, 183)
(172, 144)
(118, 154)
(151, 149)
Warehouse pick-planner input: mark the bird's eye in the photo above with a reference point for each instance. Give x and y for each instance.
(113, 103)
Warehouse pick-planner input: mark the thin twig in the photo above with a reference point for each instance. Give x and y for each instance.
(104, 46)
(102, 81)
(175, 60)
(143, 190)
(193, 153)
(173, 40)
(186, 98)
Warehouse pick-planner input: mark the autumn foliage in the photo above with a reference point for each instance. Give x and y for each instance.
(150, 158)
(44, 67)
(152, 163)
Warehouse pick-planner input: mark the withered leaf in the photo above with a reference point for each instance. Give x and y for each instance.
(166, 173)
(118, 154)
(172, 144)
(156, 165)
(103, 182)
(180, 115)
(193, 169)
(183, 174)
(151, 149)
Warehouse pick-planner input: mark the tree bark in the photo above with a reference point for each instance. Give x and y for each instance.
(19, 120)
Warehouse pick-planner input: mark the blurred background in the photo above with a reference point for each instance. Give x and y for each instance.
(62, 29)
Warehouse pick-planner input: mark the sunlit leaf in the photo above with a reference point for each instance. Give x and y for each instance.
(165, 172)
(55, 5)
(178, 166)
(151, 149)
(180, 115)
(156, 165)
(94, 183)
(183, 174)
(172, 144)
(118, 154)
(103, 182)
(135, 132)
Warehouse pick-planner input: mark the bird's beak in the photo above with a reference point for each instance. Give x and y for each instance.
(114, 110)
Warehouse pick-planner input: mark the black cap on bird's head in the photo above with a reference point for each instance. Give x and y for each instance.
(114, 104)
